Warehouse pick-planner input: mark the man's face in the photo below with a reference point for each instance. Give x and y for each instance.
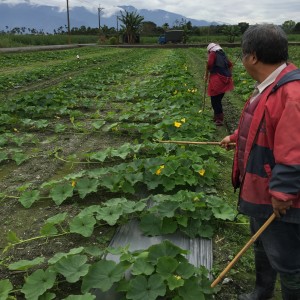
(248, 61)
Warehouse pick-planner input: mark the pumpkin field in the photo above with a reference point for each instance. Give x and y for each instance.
(80, 155)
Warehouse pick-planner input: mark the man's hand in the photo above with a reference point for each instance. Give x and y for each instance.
(225, 143)
(280, 207)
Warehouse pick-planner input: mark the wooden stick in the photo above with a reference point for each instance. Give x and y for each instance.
(193, 143)
(204, 95)
(249, 243)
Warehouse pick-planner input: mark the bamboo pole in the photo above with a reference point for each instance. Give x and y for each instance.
(244, 249)
(204, 95)
(193, 143)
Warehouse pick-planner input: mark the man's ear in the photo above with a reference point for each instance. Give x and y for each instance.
(253, 58)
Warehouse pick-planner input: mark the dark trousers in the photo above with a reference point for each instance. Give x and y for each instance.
(280, 242)
(216, 103)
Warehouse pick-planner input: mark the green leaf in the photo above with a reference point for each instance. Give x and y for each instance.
(110, 127)
(97, 173)
(111, 182)
(122, 152)
(83, 225)
(27, 122)
(74, 176)
(101, 155)
(165, 248)
(151, 224)
(3, 141)
(3, 156)
(60, 255)
(60, 193)
(225, 212)
(168, 226)
(98, 124)
(72, 267)
(93, 251)
(185, 270)
(5, 288)
(168, 183)
(12, 237)
(41, 124)
(29, 197)
(167, 208)
(170, 169)
(191, 290)
(102, 275)
(175, 282)
(48, 229)
(59, 128)
(182, 220)
(86, 296)
(166, 266)
(206, 231)
(134, 178)
(57, 219)
(141, 266)
(140, 205)
(47, 296)
(23, 265)
(86, 186)
(127, 187)
(19, 158)
(141, 288)
(38, 283)
(110, 214)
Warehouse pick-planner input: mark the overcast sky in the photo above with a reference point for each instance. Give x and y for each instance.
(228, 11)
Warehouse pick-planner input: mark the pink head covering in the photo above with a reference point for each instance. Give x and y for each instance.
(213, 47)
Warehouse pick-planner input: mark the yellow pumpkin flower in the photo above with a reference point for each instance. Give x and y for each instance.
(177, 124)
(183, 120)
(201, 172)
(73, 183)
(177, 277)
(158, 171)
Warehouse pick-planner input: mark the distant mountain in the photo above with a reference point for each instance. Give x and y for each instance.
(49, 18)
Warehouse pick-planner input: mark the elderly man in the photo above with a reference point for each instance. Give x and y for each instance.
(266, 165)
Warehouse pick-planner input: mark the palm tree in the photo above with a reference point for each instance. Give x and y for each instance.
(132, 22)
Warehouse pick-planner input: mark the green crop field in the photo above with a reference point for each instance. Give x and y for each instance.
(80, 155)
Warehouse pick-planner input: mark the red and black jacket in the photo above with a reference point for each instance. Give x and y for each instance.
(271, 152)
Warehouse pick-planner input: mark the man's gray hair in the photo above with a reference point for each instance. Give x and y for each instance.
(269, 43)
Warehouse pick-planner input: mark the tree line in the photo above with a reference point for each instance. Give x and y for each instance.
(133, 25)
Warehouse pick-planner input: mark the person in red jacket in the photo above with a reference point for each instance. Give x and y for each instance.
(266, 166)
(220, 79)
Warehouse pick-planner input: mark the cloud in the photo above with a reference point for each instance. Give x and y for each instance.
(230, 11)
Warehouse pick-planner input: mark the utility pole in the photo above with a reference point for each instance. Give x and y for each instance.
(99, 16)
(117, 24)
(68, 16)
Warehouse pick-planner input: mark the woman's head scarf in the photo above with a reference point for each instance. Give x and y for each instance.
(213, 47)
